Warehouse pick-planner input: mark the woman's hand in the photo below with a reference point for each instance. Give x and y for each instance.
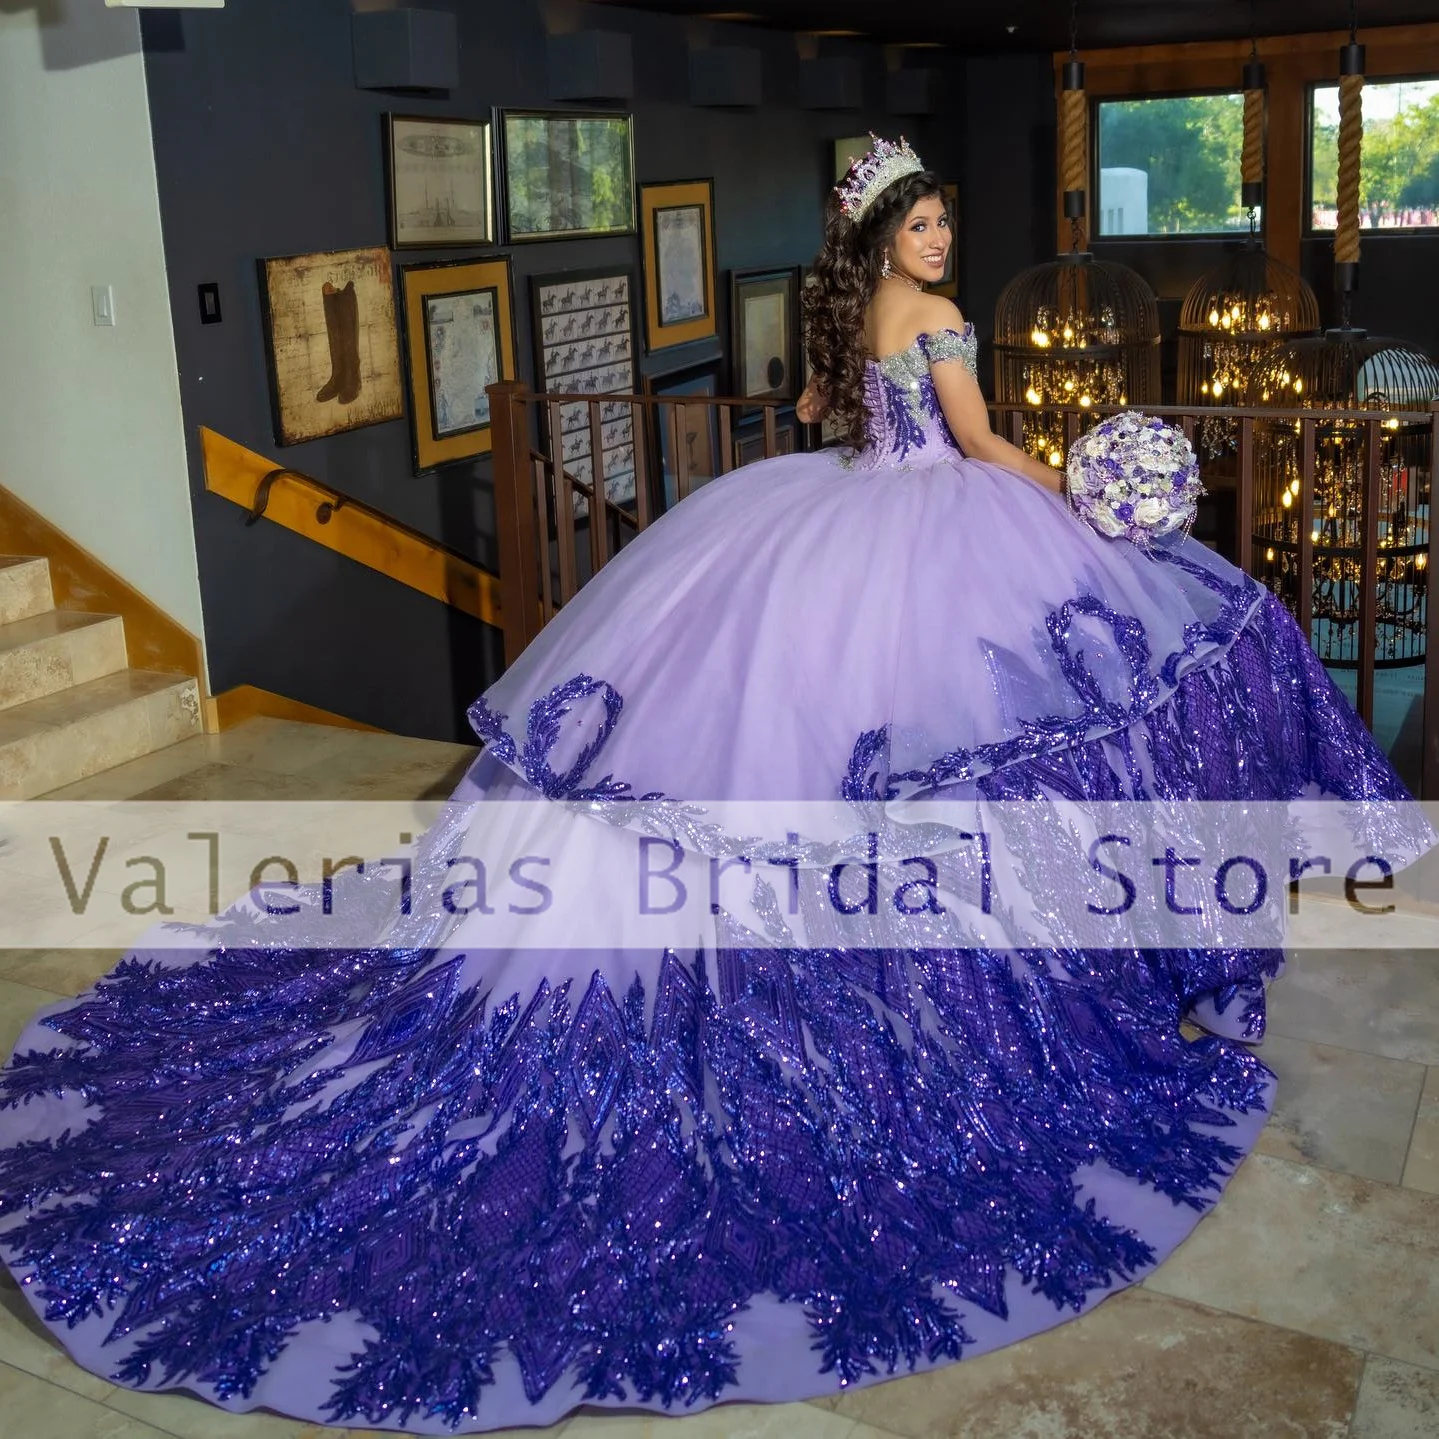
(811, 407)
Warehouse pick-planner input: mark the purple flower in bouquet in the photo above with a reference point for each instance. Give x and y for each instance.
(1133, 477)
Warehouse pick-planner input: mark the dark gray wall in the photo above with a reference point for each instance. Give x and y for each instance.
(1007, 194)
(264, 146)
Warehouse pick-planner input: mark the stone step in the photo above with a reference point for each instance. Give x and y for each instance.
(56, 649)
(77, 732)
(24, 588)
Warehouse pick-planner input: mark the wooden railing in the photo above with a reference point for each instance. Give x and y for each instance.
(536, 496)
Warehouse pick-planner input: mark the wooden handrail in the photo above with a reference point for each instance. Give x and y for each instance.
(339, 522)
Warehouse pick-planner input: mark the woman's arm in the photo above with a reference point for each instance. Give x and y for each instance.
(811, 407)
(968, 418)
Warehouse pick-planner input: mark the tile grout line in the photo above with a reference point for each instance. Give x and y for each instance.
(1258, 1049)
(85, 1398)
(1413, 1128)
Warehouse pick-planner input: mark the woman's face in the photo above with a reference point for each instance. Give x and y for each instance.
(922, 243)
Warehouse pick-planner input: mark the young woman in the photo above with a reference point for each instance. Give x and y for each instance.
(446, 1182)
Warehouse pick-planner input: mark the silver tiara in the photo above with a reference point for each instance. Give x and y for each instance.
(870, 177)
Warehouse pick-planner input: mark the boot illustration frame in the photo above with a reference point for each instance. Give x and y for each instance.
(332, 344)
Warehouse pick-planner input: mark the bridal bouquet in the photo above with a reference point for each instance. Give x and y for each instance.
(1134, 477)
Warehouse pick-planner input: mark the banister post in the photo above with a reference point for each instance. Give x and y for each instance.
(514, 516)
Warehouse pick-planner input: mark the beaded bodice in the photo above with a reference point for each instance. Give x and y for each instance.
(904, 412)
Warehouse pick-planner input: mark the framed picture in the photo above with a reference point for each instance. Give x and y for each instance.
(764, 310)
(701, 428)
(585, 345)
(459, 339)
(749, 438)
(330, 342)
(846, 152)
(677, 223)
(949, 285)
(440, 181)
(567, 175)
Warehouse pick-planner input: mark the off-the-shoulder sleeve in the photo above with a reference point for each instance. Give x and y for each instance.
(961, 345)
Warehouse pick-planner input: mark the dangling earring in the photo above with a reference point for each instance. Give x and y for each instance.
(886, 270)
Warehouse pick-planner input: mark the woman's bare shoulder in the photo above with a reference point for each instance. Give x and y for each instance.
(942, 314)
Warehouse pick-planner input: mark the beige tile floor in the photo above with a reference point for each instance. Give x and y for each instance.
(1306, 1304)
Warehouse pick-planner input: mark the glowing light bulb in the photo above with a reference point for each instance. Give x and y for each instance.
(1204, 388)
(1286, 499)
(1032, 395)
(1056, 459)
(1068, 385)
(1085, 402)
(1068, 333)
(1391, 424)
(1315, 537)
(1421, 562)
(1214, 317)
(1039, 337)
(1268, 554)
(1298, 385)
(1218, 387)
(1124, 399)
(1226, 321)
(1293, 487)
(1264, 322)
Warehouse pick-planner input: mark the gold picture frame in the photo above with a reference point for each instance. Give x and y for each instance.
(459, 339)
(677, 225)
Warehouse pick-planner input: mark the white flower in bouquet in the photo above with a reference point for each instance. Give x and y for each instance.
(1150, 512)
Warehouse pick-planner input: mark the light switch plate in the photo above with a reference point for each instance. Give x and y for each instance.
(102, 303)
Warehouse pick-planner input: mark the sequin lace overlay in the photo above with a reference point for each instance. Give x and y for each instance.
(904, 411)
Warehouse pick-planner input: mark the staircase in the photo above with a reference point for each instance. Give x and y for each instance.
(69, 704)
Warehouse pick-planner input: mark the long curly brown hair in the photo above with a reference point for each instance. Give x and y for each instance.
(841, 285)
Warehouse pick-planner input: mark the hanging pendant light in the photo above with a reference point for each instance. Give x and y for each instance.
(1346, 368)
(1076, 330)
(1236, 312)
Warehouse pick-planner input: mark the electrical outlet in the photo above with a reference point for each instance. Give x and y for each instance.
(102, 304)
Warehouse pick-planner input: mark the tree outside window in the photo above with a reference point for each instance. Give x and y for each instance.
(1399, 164)
(1171, 165)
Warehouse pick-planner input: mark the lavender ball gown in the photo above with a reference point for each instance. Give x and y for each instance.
(444, 1187)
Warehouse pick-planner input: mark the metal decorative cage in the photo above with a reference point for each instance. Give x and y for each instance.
(1367, 475)
(1074, 331)
(1232, 317)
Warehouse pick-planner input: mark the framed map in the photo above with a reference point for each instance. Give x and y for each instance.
(585, 345)
(440, 181)
(330, 341)
(679, 262)
(459, 339)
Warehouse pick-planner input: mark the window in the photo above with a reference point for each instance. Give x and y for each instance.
(1399, 164)
(1171, 166)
